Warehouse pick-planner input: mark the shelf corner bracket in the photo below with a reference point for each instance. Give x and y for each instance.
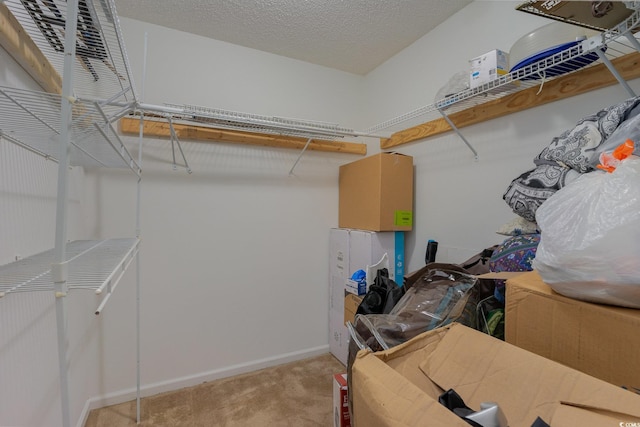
(300, 156)
(174, 139)
(457, 131)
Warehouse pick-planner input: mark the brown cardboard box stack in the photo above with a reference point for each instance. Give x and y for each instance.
(569, 362)
(375, 207)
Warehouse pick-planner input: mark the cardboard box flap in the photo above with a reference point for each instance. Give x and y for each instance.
(386, 399)
(481, 369)
(568, 415)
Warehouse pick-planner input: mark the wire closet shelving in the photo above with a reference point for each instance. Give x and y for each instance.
(603, 48)
(75, 52)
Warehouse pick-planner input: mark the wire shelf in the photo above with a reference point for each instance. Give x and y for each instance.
(92, 265)
(582, 14)
(256, 123)
(102, 67)
(33, 119)
(613, 43)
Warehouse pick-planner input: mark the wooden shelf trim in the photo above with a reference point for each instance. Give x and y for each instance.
(17, 42)
(573, 84)
(131, 126)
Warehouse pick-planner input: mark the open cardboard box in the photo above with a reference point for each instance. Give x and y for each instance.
(400, 386)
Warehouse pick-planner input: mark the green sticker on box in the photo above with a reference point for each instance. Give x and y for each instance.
(403, 219)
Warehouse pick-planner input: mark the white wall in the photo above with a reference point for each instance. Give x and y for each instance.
(234, 259)
(234, 256)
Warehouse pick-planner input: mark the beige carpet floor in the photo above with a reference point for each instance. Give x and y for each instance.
(295, 394)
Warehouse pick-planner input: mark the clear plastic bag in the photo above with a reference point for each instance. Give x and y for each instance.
(436, 296)
(590, 241)
(629, 129)
(437, 299)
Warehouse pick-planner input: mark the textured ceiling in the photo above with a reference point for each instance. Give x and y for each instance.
(350, 35)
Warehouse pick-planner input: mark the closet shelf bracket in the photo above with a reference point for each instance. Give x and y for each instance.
(121, 149)
(300, 156)
(175, 141)
(615, 72)
(457, 131)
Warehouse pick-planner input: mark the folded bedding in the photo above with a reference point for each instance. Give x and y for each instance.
(574, 152)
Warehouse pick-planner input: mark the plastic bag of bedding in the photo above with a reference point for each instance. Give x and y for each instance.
(590, 237)
(627, 130)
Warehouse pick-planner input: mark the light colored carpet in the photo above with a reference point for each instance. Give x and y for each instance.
(295, 394)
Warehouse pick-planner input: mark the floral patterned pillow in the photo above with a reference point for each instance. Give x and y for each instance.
(516, 253)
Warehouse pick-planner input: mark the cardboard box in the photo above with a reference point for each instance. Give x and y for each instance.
(578, 12)
(400, 386)
(341, 416)
(600, 340)
(349, 251)
(351, 303)
(488, 67)
(376, 193)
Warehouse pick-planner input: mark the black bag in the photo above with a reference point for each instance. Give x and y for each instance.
(479, 264)
(383, 294)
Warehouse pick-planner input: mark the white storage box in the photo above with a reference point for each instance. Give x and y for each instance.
(488, 67)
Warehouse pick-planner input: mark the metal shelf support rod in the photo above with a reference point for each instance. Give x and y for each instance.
(138, 230)
(177, 141)
(300, 156)
(110, 101)
(634, 41)
(113, 282)
(60, 284)
(457, 131)
(122, 146)
(25, 146)
(129, 162)
(615, 72)
(120, 114)
(123, 52)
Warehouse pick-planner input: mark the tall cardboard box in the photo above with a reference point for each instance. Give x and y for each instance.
(351, 250)
(600, 340)
(376, 193)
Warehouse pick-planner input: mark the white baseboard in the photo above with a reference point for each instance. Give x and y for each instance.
(192, 380)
